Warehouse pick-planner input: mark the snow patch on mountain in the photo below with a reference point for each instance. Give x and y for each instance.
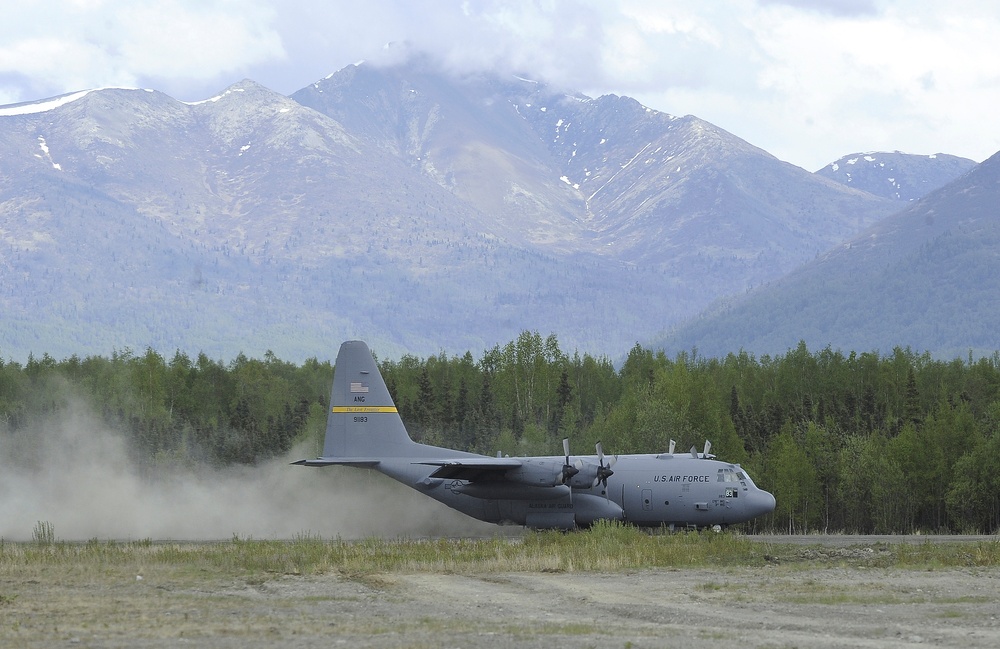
(896, 175)
(41, 106)
(43, 145)
(212, 100)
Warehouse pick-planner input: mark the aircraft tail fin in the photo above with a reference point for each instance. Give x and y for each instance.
(363, 421)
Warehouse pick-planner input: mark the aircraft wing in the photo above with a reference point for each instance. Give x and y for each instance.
(337, 461)
(471, 469)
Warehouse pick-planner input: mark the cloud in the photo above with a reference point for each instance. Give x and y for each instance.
(832, 7)
(557, 40)
(877, 83)
(197, 40)
(57, 46)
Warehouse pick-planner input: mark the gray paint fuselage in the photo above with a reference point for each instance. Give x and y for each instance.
(651, 490)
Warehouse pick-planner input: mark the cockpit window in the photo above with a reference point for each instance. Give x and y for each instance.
(730, 475)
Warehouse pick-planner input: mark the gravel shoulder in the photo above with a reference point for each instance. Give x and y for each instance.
(823, 603)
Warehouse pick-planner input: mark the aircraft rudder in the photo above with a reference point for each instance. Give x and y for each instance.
(363, 420)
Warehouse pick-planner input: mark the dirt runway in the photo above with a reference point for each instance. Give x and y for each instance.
(770, 606)
(826, 593)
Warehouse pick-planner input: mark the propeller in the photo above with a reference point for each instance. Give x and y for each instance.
(705, 453)
(604, 472)
(568, 470)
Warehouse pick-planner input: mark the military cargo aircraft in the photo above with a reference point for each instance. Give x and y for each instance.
(666, 489)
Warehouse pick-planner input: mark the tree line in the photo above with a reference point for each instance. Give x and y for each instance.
(856, 442)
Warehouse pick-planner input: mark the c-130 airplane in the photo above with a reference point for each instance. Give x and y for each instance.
(686, 490)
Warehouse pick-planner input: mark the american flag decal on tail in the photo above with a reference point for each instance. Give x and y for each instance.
(358, 387)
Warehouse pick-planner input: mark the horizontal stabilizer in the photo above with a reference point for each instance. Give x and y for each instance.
(471, 468)
(332, 461)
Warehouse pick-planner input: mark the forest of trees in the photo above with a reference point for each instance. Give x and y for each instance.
(864, 442)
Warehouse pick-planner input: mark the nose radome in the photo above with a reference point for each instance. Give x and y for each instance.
(759, 503)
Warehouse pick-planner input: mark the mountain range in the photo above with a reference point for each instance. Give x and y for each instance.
(896, 175)
(416, 210)
(924, 278)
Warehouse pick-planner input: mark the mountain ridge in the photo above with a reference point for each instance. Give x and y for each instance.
(896, 175)
(414, 210)
(921, 278)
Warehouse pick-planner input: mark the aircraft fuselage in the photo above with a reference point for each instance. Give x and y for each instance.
(647, 490)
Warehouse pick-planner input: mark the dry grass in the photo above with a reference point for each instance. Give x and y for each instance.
(604, 548)
(247, 593)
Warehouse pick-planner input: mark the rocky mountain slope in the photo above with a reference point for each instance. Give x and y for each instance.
(896, 175)
(400, 205)
(606, 175)
(924, 278)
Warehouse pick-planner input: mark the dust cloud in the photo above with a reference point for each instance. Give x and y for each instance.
(71, 472)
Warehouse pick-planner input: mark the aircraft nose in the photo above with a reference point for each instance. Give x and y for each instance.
(759, 502)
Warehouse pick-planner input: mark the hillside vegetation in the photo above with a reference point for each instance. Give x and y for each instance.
(856, 442)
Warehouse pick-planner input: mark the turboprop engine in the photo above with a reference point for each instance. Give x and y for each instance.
(541, 472)
(547, 472)
(588, 475)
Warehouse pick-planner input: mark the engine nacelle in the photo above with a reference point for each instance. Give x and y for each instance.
(588, 474)
(586, 478)
(537, 472)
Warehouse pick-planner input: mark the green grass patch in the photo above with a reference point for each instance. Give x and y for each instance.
(607, 547)
(947, 555)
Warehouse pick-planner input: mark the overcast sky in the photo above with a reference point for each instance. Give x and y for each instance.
(806, 80)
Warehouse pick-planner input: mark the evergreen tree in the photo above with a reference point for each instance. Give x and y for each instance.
(564, 394)
(911, 407)
(793, 480)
